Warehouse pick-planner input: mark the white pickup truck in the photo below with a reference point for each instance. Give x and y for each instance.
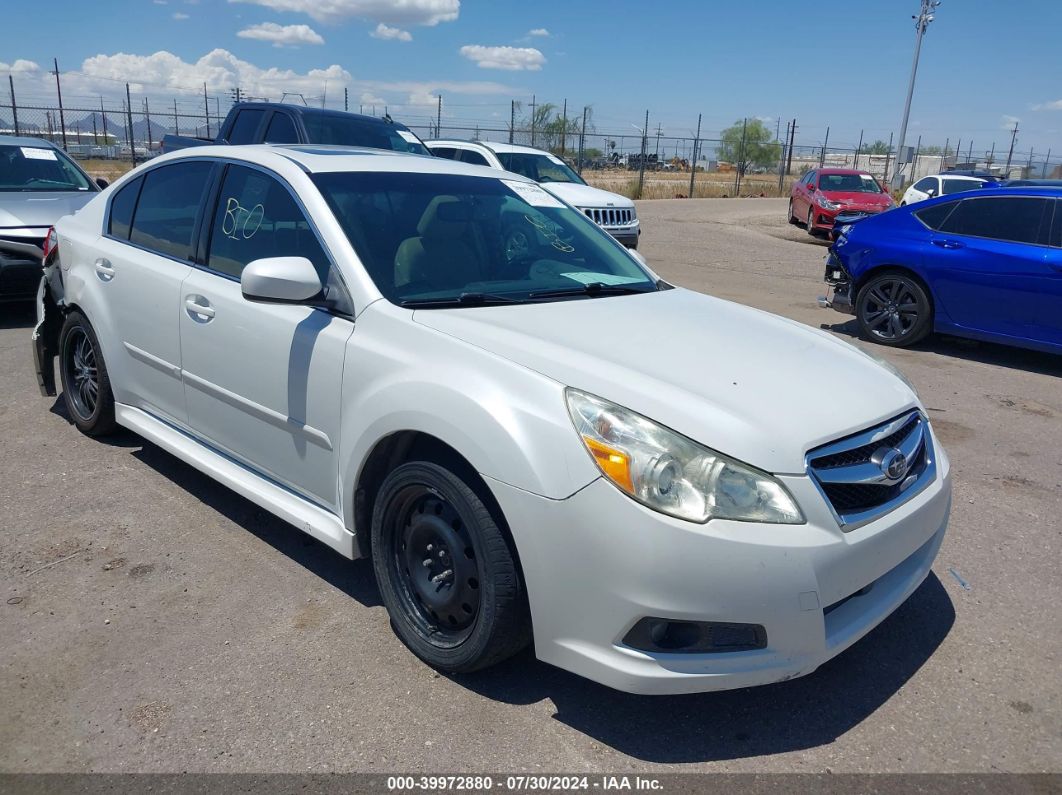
(612, 212)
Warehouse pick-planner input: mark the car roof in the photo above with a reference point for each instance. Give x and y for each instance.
(494, 146)
(842, 171)
(320, 159)
(966, 177)
(306, 110)
(24, 140)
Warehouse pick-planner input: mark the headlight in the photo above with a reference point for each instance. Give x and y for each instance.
(826, 204)
(896, 371)
(672, 474)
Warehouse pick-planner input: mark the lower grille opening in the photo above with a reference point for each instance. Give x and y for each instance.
(694, 637)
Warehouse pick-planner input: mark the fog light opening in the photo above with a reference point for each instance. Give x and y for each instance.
(694, 637)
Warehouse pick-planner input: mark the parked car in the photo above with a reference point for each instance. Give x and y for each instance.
(987, 176)
(939, 185)
(985, 265)
(615, 213)
(819, 195)
(280, 123)
(39, 184)
(1032, 183)
(522, 446)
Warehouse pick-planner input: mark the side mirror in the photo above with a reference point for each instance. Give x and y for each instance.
(811, 188)
(101, 183)
(280, 280)
(931, 192)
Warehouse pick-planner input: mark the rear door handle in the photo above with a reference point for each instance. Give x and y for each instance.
(951, 244)
(199, 309)
(104, 270)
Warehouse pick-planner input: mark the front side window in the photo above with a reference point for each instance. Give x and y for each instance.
(540, 168)
(122, 206)
(39, 169)
(431, 238)
(169, 203)
(245, 126)
(281, 130)
(1011, 218)
(256, 217)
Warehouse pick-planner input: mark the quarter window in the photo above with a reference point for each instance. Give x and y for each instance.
(122, 206)
(245, 126)
(444, 151)
(256, 217)
(281, 130)
(169, 203)
(1014, 219)
(473, 158)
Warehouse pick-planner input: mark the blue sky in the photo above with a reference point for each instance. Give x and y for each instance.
(984, 62)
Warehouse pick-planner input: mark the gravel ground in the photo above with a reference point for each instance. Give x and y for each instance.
(154, 621)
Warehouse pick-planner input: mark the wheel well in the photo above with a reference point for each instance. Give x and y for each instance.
(900, 269)
(399, 448)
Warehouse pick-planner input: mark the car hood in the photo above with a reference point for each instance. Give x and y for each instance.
(746, 383)
(33, 208)
(858, 199)
(585, 196)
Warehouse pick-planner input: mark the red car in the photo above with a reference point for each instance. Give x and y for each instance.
(823, 193)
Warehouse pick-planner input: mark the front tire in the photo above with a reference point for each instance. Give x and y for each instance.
(893, 309)
(811, 223)
(446, 573)
(86, 384)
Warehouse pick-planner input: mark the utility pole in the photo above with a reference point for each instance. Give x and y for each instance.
(969, 152)
(947, 143)
(176, 126)
(1010, 154)
(792, 145)
(925, 16)
(14, 107)
(888, 153)
(103, 115)
(129, 121)
(95, 131)
(532, 120)
(438, 118)
(659, 132)
(512, 119)
(645, 146)
(59, 92)
(741, 159)
(147, 118)
(914, 162)
(991, 156)
(693, 160)
(564, 127)
(822, 155)
(1043, 174)
(582, 141)
(859, 148)
(206, 109)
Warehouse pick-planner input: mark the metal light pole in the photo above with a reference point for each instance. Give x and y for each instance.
(925, 16)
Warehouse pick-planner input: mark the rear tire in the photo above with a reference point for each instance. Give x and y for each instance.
(86, 384)
(792, 218)
(894, 309)
(446, 573)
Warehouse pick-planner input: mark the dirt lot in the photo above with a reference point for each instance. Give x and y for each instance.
(154, 621)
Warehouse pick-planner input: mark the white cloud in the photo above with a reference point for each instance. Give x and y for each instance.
(159, 2)
(20, 67)
(282, 35)
(179, 16)
(1008, 123)
(1053, 105)
(396, 12)
(384, 32)
(538, 32)
(369, 98)
(513, 59)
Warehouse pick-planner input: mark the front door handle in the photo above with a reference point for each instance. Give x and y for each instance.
(949, 244)
(104, 269)
(199, 309)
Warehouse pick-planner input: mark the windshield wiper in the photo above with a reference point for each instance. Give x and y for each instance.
(592, 289)
(464, 299)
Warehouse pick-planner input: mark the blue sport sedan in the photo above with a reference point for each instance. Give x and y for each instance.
(985, 265)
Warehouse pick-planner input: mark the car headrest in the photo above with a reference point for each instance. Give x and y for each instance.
(445, 216)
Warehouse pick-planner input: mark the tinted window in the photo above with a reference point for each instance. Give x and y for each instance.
(39, 168)
(959, 185)
(281, 130)
(540, 168)
(925, 184)
(169, 202)
(444, 151)
(934, 216)
(1002, 218)
(474, 158)
(1056, 227)
(122, 206)
(245, 126)
(255, 218)
(350, 130)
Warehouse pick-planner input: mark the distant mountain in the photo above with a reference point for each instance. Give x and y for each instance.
(115, 123)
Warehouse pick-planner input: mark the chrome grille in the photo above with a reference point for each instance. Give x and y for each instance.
(854, 473)
(610, 216)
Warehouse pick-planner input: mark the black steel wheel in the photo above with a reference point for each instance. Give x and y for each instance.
(446, 572)
(894, 309)
(86, 385)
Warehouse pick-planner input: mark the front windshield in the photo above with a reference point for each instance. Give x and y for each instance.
(39, 168)
(539, 167)
(432, 238)
(324, 128)
(848, 183)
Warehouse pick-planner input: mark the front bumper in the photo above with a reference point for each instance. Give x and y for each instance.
(598, 562)
(628, 236)
(840, 282)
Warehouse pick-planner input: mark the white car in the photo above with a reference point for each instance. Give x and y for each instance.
(615, 213)
(667, 491)
(939, 185)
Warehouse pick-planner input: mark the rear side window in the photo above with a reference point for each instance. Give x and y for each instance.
(959, 185)
(934, 216)
(925, 184)
(281, 130)
(256, 217)
(473, 158)
(245, 126)
(1010, 218)
(169, 203)
(122, 206)
(444, 151)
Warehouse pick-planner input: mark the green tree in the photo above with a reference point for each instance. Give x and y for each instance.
(879, 147)
(757, 149)
(550, 127)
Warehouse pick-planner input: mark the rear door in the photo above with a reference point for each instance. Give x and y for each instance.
(143, 257)
(990, 266)
(263, 381)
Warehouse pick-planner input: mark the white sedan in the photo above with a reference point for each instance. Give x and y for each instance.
(557, 445)
(939, 185)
